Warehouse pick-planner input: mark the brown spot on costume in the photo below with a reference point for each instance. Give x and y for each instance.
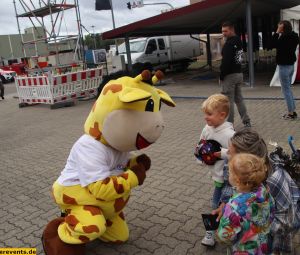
(114, 88)
(69, 200)
(92, 209)
(120, 204)
(95, 131)
(90, 229)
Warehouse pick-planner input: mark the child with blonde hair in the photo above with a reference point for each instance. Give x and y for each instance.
(245, 223)
(213, 147)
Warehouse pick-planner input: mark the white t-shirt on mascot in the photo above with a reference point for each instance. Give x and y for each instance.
(90, 161)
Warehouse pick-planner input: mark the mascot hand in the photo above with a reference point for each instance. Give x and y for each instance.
(144, 160)
(140, 172)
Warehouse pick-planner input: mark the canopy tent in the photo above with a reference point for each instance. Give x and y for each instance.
(202, 17)
(293, 15)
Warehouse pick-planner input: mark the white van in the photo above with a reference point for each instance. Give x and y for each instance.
(162, 52)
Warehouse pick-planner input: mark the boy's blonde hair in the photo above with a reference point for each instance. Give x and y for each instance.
(249, 169)
(216, 102)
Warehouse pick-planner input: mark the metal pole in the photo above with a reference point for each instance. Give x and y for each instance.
(53, 34)
(208, 52)
(81, 41)
(94, 36)
(19, 29)
(114, 25)
(127, 45)
(250, 42)
(35, 42)
(172, 7)
(11, 49)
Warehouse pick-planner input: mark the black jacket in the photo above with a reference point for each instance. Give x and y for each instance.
(285, 45)
(231, 56)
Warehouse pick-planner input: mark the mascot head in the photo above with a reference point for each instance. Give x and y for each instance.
(127, 116)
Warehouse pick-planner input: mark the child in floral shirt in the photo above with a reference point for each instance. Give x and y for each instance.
(247, 216)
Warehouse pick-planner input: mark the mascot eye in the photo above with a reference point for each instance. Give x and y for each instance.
(149, 106)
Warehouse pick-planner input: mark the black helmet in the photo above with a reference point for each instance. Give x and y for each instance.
(205, 151)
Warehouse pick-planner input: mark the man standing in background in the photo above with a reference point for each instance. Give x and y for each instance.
(231, 77)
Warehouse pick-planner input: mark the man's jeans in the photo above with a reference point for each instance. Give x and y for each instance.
(285, 76)
(231, 87)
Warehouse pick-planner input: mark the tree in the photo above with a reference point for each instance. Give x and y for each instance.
(90, 41)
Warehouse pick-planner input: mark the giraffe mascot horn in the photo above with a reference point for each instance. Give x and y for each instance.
(95, 185)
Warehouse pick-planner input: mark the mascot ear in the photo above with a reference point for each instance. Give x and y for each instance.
(129, 95)
(165, 98)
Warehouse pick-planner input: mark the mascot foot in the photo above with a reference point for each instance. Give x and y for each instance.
(54, 246)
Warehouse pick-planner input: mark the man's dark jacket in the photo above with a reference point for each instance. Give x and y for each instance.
(231, 57)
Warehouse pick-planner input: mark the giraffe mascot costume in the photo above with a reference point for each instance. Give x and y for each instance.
(96, 182)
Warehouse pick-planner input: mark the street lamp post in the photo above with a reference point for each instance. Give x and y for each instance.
(172, 7)
(129, 5)
(114, 25)
(94, 37)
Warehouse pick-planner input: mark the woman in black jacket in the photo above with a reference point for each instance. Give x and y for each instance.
(285, 40)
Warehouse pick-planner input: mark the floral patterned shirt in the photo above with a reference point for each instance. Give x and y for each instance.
(246, 221)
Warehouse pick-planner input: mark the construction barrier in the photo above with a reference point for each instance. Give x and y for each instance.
(54, 89)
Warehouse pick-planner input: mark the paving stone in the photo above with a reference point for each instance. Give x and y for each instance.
(153, 232)
(160, 220)
(165, 210)
(14, 242)
(147, 245)
(167, 240)
(182, 248)
(163, 249)
(171, 228)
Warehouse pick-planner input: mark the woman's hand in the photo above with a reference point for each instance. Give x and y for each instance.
(279, 28)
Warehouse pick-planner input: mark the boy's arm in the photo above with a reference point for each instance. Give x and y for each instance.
(223, 153)
(203, 134)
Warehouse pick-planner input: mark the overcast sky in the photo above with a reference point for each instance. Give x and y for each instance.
(102, 20)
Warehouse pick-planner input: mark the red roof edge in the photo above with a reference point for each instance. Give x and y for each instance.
(119, 32)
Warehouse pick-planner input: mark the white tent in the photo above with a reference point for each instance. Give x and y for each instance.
(293, 15)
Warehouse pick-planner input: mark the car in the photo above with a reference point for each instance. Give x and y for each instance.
(7, 76)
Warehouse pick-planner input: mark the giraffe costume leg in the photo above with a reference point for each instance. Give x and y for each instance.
(82, 224)
(53, 245)
(116, 230)
(84, 221)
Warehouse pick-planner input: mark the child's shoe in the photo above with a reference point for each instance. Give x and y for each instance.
(209, 239)
(289, 116)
